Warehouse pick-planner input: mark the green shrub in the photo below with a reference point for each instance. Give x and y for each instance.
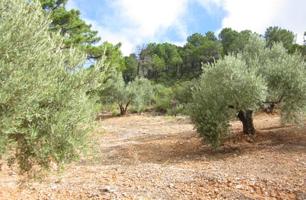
(142, 93)
(182, 93)
(44, 110)
(173, 100)
(163, 100)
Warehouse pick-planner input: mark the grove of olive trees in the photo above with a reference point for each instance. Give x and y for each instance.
(55, 77)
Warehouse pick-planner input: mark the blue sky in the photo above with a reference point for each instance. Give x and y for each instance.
(137, 22)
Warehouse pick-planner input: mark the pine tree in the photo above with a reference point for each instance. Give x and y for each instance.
(77, 32)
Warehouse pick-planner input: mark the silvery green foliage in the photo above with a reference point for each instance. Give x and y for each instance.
(114, 89)
(238, 83)
(44, 109)
(225, 87)
(138, 93)
(285, 76)
(142, 93)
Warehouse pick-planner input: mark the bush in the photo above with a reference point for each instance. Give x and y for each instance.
(44, 110)
(142, 93)
(173, 100)
(182, 93)
(163, 98)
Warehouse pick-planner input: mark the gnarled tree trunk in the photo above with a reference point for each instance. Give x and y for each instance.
(246, 117)
(123, 109)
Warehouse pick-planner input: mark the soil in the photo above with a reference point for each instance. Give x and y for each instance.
(157, 157)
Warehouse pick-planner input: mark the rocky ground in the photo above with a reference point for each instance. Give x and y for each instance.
(156, 157)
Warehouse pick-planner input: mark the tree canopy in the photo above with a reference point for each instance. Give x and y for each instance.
(137, 93)
(233, 41)
(238, 85)
(43, 97)
(276, 34)
(76, 32)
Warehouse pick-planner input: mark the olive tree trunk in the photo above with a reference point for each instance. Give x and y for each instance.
(123, 109)
(246, 117)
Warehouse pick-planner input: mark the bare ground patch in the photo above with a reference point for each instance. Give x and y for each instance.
(155, 157)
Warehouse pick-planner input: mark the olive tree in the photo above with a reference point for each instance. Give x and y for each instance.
(225, 87)
(138, 93)
(45, 111)
(239, 85)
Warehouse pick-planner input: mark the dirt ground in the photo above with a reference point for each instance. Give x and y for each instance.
(156, 157)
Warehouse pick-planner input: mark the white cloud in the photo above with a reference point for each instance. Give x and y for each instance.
(143, 21)
(209, 5)
(257, 15)
(71, 4)
(123, 37)
(150, 16)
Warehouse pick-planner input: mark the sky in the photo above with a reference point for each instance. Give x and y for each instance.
(135, 23)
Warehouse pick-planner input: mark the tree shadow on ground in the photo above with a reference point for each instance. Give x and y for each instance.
(188, 146)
